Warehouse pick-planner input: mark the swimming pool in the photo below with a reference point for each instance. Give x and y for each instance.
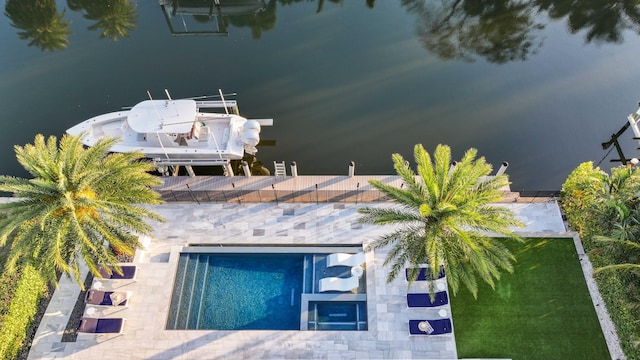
(235, 288)
(237, 291)
(338, 315)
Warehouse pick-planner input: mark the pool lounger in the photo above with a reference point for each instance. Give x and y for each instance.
(106, 298)
(339, 284)
(129, 272)
(101, 326)
(343, 259)
(423, 274)
(424, 300)
(430, 327)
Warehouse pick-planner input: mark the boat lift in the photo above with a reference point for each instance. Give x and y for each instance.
(163, 165)
(169, 165)
(632, 122)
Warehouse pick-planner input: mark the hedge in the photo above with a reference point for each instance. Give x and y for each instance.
(14, 324)
(582, 198)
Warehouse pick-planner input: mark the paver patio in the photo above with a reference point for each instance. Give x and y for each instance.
(145, 336)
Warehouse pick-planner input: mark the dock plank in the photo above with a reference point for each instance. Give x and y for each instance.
(307, 188)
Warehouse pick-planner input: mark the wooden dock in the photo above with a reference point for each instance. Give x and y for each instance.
(308, 189)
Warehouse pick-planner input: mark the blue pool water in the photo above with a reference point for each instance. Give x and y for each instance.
(237, 292)
(338, 315)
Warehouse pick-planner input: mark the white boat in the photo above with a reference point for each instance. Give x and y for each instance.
(178, 132)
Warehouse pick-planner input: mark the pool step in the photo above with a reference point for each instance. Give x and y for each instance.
(188, 295)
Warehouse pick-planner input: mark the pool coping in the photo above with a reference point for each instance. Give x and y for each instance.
(305, 298)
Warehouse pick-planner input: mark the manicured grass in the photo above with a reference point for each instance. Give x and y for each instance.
(541, 311)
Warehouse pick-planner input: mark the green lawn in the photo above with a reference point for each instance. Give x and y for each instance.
(541, 311)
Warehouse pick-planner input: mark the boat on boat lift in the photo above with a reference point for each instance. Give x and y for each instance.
(190, 132)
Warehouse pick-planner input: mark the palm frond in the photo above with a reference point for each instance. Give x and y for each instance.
(79, 203)
(445, 219)
(619, 267)
(403, 197)
(403, 169)
(386, 216)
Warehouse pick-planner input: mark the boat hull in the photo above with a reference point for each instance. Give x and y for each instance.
(204, 136)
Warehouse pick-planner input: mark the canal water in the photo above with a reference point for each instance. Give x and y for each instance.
(536, 83)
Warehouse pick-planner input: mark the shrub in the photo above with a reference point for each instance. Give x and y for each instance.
(578, 195)
(598, 204)
(14, 325)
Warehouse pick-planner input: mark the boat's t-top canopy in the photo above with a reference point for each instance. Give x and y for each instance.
(163, 116)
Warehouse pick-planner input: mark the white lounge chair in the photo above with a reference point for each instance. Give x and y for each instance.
(339, 284)
(343, 259)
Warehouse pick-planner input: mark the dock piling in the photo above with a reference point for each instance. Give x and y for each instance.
(503, 168)
(452, 167)
(228, 169)
(245, 168)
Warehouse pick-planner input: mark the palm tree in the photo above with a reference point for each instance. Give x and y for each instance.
(444, 219)
(79, 201)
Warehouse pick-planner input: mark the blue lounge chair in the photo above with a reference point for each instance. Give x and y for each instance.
(423, 274)
(129, 272)
(101, 326)
(424, 300)
(105, 298)
(432, 327)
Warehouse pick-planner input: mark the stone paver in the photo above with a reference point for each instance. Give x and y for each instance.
(145, 336)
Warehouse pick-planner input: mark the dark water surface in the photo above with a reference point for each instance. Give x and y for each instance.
(540, 84)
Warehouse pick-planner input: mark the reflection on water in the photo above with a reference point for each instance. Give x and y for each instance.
(503, 30)
(44, 26)
(39, 22)
(113, 18)
(498, 31)
(603, 21)
(213, 17)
